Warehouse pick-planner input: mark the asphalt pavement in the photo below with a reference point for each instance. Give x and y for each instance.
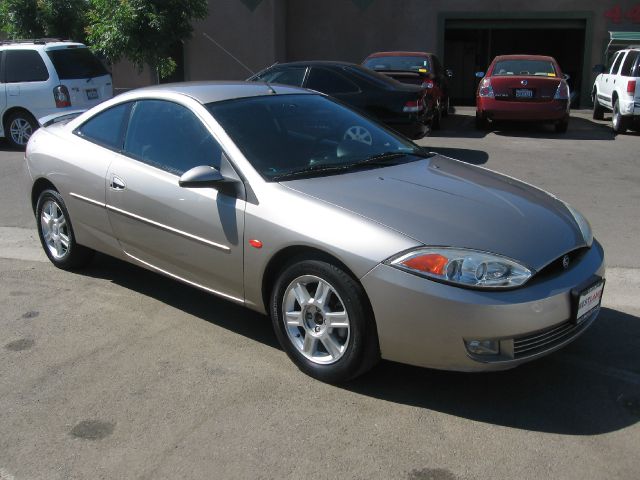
(116, 372)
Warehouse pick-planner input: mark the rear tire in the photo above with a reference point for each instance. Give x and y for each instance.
(481, 122)
(18, 128)
(302, 317)
(618, 122)
(447, 106)
(562, 126)
(56, 233)
(598, 110)
(436, 121)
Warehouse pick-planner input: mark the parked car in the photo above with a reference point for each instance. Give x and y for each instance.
(356, 247)
(41, 77)
(618, 90)
(523, 88)
(402, 107)
(416, 68)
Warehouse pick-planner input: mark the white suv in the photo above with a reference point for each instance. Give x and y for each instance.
(39, 78)
(618, 90)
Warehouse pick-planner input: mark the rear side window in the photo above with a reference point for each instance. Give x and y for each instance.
(75, 63)
(326, 81)
(107, 127)
(24, 66)
(629, 63)
(170, 137)
(289, 76)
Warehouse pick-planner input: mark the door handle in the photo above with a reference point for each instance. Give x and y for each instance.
(117, 183)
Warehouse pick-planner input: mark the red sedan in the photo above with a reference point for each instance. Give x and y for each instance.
(523, 87)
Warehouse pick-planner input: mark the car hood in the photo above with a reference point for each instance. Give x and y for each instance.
(444, 202)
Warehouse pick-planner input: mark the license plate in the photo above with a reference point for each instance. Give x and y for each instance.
(92, 94)
(524, 93)
(588, 300)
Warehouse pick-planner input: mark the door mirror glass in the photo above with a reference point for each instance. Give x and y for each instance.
(599, 68)
(479, 74)
(202, 176)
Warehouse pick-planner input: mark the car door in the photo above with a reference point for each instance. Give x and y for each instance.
(27, 80)
(336, 84)
(609, 80)
(193, 234)
(3, 91)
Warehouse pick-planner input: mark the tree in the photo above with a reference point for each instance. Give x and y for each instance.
(144, 31)
(44, 18)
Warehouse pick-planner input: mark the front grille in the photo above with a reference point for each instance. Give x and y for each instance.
(543, 340)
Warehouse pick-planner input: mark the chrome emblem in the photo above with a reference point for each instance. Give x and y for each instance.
(524, 82)
(565, 262)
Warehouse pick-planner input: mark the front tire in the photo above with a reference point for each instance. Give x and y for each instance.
(56, 233)
(618, 122)
(598, 110)
(323, 321)
(19, 127)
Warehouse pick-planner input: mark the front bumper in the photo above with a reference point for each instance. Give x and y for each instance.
(426, 323)
(553, 110)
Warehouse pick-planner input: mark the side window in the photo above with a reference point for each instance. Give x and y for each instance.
(107, 127)
(628, 64)
(329, 82)
(289, 76)
(616, 64)
(25, 66)
(169, 136)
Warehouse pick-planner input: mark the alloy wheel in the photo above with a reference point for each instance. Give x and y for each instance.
(20, 130)
(55, 230)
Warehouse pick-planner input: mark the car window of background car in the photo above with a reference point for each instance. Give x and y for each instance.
(285, 133)
(290, 76)
(398, 63)
(169, 136)
(326, 81)
(524, 67)
(24, 66)
(73, 63)
(616, 64)
(629, 63)
(107, 127)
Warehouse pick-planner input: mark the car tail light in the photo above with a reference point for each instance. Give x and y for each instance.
(486, 90)
(413, 106)
(427, 84)
(631, 87)
(562, 92)
(61, 96)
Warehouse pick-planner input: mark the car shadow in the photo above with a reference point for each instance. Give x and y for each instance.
(590, 387)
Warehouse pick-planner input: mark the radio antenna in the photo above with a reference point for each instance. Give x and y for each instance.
(228, 53)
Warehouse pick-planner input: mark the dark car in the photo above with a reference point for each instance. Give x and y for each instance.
(402, 107)
(523, 88)
(416, 68)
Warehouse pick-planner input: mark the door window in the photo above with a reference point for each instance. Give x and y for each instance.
(629, 62)
(616, 64)
(25, 66)
(107, 127)
(169, 136)
(327, 81)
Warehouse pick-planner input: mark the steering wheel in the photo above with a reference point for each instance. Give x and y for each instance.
(358, 134)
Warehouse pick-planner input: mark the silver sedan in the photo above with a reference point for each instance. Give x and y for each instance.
(359, 244)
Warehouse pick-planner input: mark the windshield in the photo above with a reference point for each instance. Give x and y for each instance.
(409, 63)
(291, 136)
(524, 67)
(75, 63)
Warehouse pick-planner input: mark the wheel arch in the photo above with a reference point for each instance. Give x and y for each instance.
(39, 186)
(11, 111)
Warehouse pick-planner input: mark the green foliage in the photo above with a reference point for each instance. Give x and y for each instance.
(144, 31)
(44, 18)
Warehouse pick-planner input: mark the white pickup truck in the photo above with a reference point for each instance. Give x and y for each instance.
(618, 89)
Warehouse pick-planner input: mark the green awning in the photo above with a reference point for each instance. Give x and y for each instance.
(620, 40)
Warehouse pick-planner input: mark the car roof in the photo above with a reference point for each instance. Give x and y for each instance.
(525, 57)
(40, 44)
(400, 53)
(326, 63)
(218, 91)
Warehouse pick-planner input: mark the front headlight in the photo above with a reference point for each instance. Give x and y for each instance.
(583, 224)
(463, 267)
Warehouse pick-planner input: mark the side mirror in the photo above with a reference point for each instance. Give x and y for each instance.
(599, 68)
(567, 76)
(448, 72)
(479, 74)
(202, 177)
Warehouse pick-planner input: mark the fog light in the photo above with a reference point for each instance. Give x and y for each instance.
(483, 347)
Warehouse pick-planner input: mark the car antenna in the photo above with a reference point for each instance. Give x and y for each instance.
(271, 90)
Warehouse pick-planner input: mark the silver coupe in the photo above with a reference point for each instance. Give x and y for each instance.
(359, 244)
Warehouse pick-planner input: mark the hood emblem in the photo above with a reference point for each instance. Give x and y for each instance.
(524, 82)
(565, 262)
